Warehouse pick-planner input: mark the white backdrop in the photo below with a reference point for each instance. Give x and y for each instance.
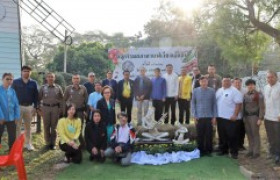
(134, 58)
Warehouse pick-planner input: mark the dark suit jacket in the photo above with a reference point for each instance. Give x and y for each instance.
(196, 79)
(147, 88)
(120, 89)
(108, 116)
(114, 84)
(95, 136)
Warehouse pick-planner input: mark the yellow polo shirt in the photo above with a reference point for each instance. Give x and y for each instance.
(185, 87)
(69, 130)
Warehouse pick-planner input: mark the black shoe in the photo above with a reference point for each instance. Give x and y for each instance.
(234, 156)
(241, 148)
(222, 153)
(255, 156)
(249, 155)
(277, 160)
(91, 158)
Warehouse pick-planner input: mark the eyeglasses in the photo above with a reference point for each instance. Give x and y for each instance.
(8, 79)
(107, 93)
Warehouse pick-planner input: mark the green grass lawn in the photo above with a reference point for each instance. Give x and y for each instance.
(204, 168)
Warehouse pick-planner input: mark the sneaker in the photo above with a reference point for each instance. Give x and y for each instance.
(52, 147)
(30, 147)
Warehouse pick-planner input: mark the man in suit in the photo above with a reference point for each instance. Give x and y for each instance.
(125, 94)
(142, 93)
(110, 82)
(196, 77)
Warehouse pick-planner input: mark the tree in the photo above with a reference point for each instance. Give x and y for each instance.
(38, 47)
(239, 42)
(260, 15)
(169, 26)
(82, 59)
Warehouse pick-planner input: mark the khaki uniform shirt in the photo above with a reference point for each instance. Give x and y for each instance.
(214, 82)
(51, 95)
(77, 96)
(253, 104)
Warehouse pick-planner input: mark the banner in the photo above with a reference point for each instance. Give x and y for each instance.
(134, 58)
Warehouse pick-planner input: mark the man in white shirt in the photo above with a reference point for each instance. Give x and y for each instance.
(272, 114)
(172, 88)
(229, 101)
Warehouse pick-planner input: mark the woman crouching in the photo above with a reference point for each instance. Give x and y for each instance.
(69, 130)
(96, 137)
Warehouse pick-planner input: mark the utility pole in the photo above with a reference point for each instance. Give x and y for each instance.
(65, 53)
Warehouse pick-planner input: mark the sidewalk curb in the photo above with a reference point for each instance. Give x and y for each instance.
(249, 174)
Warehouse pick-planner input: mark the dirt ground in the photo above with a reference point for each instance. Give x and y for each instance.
(266, 167)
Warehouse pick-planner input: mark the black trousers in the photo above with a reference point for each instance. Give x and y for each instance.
(170, 102)
(70, 152)
(229, 137)
(219, 131)
(11, 128)
(158, 105)
(81, 138)
(126, 106)
(184, 107)
(240, 132)
(204, 135)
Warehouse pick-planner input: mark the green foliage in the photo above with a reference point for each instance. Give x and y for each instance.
(162, 148)
(59, 79)
(37, 77)
(169, 27)
(82, 59)
(66, 79)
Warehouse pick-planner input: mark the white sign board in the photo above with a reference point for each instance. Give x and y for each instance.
(134, 58)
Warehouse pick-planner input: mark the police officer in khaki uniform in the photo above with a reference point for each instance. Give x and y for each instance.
(51, 98)
(253, 115)
(77, 94)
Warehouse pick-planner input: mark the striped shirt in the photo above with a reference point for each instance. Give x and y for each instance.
(204, 103)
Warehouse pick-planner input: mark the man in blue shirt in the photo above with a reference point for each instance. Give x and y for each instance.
(94, 98)
(158, 93)
(27, 94)
(204, 112)
(9, 108)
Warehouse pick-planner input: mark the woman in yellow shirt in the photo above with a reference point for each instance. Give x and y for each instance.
(69, 129)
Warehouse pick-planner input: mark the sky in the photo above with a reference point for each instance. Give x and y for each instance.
(109, 16)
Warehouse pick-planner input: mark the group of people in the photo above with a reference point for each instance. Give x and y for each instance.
(209, 99)
(236, 112)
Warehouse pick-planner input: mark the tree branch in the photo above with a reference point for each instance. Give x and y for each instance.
(269, 30)
(273, 15)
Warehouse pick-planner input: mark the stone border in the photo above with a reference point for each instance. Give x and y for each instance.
(249, 174)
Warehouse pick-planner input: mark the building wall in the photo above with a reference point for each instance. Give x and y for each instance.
(10, 54)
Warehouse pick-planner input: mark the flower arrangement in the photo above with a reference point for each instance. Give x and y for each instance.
(162, 148)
